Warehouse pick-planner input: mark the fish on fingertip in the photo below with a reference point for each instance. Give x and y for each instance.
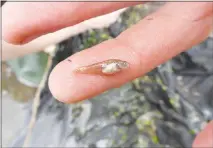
(108, 67)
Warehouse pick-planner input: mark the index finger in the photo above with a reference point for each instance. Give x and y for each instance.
(154, 40)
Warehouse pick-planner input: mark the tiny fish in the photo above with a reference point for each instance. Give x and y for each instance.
(108, 67)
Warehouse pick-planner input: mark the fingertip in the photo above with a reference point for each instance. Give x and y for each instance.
(68, 87)
(57, 86)
(11, 38)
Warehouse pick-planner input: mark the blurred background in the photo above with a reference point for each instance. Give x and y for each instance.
(167, 107)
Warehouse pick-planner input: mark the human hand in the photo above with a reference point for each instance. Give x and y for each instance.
(157, 38)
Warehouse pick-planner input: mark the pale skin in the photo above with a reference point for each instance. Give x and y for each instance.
(174, 28)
